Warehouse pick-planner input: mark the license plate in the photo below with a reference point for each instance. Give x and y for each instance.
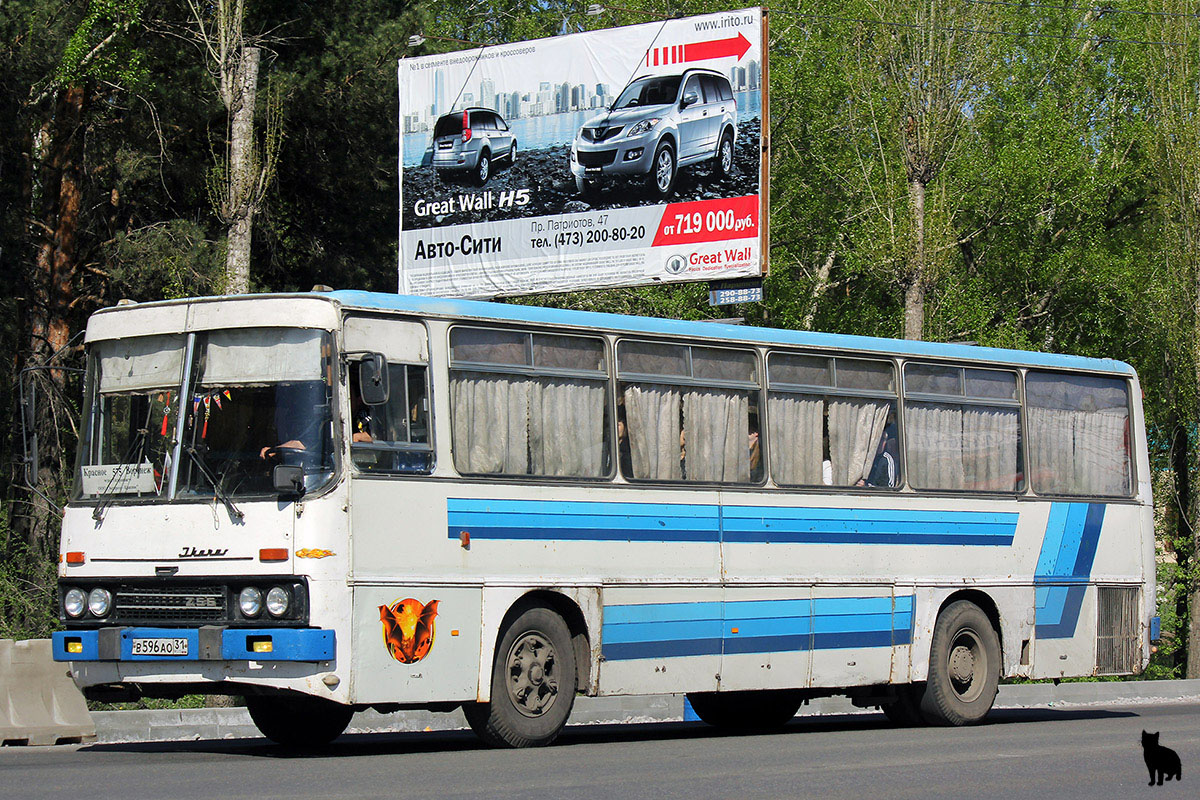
(160, 647)
(593, 170)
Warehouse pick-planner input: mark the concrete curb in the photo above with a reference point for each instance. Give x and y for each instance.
(113, 727)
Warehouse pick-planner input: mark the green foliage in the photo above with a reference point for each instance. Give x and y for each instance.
(27, 593)
(170, 260)
(102, 46)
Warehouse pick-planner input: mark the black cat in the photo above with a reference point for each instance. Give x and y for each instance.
(1161, 761)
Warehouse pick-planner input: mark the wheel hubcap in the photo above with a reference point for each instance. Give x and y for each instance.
(532, 674)
(966, 665)
(726, 156)
(483, 169)
(664, 170)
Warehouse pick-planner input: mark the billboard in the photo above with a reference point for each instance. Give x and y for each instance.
(618, 157)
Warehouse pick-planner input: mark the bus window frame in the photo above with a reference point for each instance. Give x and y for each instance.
(606, 376)
(1132, 455)
(832, 390)
(757, 386)
(932, 397)
(409, 446)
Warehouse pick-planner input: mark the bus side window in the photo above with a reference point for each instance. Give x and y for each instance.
(392, 437)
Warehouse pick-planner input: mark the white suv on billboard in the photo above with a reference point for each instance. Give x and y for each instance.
(471, 141)
(657, 125)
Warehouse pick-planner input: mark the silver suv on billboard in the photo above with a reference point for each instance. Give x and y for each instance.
(657, 125)
(471, 142)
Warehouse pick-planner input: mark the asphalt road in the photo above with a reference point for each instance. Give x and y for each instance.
(1035, 753)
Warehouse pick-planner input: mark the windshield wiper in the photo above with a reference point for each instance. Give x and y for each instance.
(216, 484)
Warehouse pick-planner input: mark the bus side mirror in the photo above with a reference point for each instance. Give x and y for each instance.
(373, 379)
(288, 479)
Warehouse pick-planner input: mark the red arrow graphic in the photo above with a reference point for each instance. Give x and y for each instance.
(698, 51)
(717, 48)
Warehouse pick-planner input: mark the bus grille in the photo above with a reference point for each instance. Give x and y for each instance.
(1118, 647)
(191, 604)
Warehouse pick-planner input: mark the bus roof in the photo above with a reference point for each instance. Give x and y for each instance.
(485, 311)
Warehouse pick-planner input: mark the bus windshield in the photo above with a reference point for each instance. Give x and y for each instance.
(258, 397)
(130, 416)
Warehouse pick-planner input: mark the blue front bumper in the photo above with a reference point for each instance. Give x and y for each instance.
(203, 644)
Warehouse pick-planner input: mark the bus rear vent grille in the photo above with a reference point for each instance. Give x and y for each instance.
(1118, 647)
(169, 604)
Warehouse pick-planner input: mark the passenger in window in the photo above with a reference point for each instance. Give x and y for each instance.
(360, 414)
(754, 447)
(826, 461)
(883, 471)
(624, 453)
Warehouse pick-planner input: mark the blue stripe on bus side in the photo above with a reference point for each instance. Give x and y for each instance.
(664, 522)
(668, 630)
(1065, 566)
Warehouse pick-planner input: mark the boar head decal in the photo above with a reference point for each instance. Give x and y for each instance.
(408, 629)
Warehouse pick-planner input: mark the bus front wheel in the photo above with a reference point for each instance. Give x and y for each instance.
(964, 667)
(533, 683)
(746, 710)
(298, 720)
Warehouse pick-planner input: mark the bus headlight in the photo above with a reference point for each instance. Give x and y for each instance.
(99, 602)
(278, 601)
(250, 601)
(75, 603)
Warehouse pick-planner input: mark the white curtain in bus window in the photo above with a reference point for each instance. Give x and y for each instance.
(550, 424)
(140, 363)
(970, 444)
(262, 355)
(796, 438)
(716, 429)
(491, 423)
(933, 440)
(855, 428)
(652, 414)
(1079, 432)
(566, 427)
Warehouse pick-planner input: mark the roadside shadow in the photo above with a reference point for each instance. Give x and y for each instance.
(449, 741)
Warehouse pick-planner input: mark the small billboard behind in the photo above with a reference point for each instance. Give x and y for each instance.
(618, 157)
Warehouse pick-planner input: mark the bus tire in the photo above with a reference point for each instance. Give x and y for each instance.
(964, 667)
(762, 709)
(905, 710)
(533, 683)
(298, 721)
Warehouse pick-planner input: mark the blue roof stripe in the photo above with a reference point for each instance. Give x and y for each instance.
(503, 312)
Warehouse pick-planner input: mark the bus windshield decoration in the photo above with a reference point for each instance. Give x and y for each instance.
(593, 504)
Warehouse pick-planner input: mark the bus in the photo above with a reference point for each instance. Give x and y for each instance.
(333, 501)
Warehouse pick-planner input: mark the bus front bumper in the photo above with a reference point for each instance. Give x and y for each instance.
(211, 643)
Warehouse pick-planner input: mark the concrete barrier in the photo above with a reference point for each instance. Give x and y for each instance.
(39, 704)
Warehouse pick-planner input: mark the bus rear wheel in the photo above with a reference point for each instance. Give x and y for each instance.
(298, 721)
(746, 710)
(533, 683)
(964, 667)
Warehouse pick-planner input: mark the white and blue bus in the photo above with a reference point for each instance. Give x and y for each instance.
(332, 501)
